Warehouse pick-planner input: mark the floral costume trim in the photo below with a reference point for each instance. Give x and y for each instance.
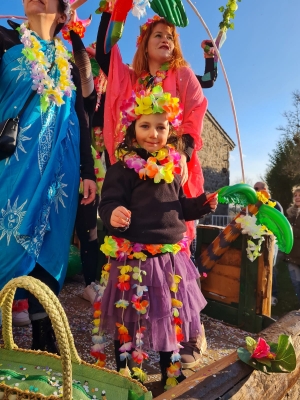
(122, 249)
(40, 67)
(161, 166)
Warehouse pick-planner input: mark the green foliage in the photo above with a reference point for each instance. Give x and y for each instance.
(285, 360)
(284, 166)
(228, 14)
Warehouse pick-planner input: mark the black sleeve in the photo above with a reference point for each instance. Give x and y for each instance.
(8, 37)
(193, 208)
(210, 74)
(83, 64)
(116, 191)
(189, 145)
(86, 159)
(103, 59)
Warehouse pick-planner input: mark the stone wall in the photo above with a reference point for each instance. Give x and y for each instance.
(214, 157)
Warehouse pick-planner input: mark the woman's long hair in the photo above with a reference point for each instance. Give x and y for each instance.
(140, 60)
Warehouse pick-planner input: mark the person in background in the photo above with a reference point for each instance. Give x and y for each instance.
(293, 258)
(53, 151)
(262, 186)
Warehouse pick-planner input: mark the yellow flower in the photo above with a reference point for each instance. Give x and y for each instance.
(171, 382)
(139, 374)
(140, 256)
(176, 303)
(144, 106)
(176, 248)
(124, 269)
(162, 154)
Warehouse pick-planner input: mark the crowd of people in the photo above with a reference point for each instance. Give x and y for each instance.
(144, 122)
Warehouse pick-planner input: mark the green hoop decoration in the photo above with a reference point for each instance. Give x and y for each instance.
(172, 10)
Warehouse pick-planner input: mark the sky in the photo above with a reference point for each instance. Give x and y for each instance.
(262, 61)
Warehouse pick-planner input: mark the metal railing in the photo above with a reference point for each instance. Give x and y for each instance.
(221, 220)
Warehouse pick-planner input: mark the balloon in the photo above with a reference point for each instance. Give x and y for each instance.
(240, 193)
(74, 264)
(116, 24)
(276, 222)
(172, 10)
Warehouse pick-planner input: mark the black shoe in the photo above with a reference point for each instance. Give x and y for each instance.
(43, 337)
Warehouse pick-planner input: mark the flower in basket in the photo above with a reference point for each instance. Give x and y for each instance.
(269, 357)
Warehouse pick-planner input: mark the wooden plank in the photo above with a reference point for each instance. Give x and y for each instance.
(267, 275)
(229, 379)
(248, 291)
(206, 377)
(231, 257)
(222, 280)
(222, 312)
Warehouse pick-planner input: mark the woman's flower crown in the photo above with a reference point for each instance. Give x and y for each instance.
(144, 27)
(151, 101)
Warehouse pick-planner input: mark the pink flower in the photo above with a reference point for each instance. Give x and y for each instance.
(262, 350)
(137, 247)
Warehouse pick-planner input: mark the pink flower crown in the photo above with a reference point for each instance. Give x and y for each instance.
(144, 28)
(150, 101)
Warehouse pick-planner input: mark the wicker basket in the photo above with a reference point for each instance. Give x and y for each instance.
(28, 374)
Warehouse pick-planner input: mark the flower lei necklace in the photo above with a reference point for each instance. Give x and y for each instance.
(146, 79)
(161, 166)
(40, 65)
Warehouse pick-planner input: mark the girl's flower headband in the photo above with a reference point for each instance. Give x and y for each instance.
(148, 102)
(144, 27)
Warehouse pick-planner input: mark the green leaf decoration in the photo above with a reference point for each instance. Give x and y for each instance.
(172, 10)
(276, 222)
(240, 193)
(250, 343)
(228, 15)
(95, 67)
(285, 360)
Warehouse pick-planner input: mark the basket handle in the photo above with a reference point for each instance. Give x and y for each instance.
(58, 318)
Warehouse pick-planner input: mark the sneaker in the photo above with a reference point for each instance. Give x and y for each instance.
(89, 293)
(20, 318)
(192, 351)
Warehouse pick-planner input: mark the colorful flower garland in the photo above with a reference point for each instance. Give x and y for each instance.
(121, 249)
(40, 66)
(161, 166)
(150, 101)
(145, 26)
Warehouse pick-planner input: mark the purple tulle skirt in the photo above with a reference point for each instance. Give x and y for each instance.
(158, 320)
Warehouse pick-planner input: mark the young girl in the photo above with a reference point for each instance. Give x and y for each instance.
(151, 294)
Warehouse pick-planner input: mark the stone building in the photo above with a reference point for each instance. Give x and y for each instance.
(214, 157)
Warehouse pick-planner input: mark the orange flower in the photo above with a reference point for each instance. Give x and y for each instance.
(179, 334)
(140, 306)
(153, 248)
(124, 278)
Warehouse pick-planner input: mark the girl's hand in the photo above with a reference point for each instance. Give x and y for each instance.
(120, 217)
(212, 200)
(184, 169)
(89, 191)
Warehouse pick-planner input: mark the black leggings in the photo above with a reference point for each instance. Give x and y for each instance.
(40, 273)
(86, 228)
